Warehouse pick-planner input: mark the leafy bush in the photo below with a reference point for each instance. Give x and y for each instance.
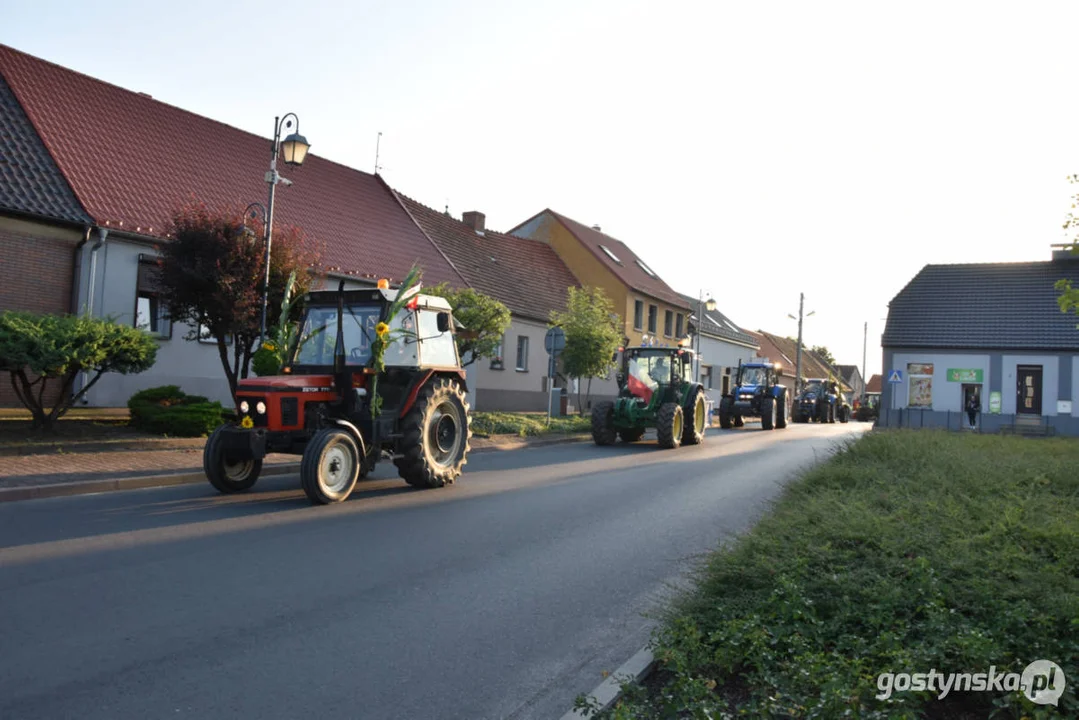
(909, 551)
(38, 349)
(169, 411)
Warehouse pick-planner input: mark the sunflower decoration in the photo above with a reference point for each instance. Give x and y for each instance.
(384, 335)
(247, 423)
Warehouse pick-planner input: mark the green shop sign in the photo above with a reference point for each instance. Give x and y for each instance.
(966, 375)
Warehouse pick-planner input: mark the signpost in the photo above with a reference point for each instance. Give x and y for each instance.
(895, 377)
(554, 343)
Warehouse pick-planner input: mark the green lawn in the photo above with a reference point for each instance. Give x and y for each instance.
(907, 552)
(527, 424)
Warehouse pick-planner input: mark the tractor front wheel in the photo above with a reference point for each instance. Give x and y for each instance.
(330, 466)
(435, 433)
(844, 414)
(693, 433)
(228, 474)
(725, 413)
(781, 412)
(631, 435)
(768, 413)
(669, 425)
(739, 421)
(603, 431)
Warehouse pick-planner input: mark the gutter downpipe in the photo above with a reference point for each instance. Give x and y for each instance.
(102, 235)
(76, 276)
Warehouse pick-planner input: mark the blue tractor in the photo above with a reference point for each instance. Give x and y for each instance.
(756, 393)
(820, 401)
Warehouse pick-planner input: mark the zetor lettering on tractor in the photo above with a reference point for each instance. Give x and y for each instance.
(320, 407)
(756, 393)
(656, 389)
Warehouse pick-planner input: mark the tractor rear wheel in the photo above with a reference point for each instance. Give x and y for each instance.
(330, 466)
(669, 425)
(725, 413)
(435, 433)
(228, 474)
(603, 432)
(631, 435)
(781, 412)
(768, 413)
(844, 415)
(693, 433)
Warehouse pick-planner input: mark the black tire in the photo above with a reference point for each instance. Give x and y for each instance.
(631, 435)
(669, 425)
(725, 413)
(435, 436)
(693, 430)
(844, 415)
(831, 413)
(603, 432)
(768, 413)
(330, 466)
(738, 421)
(781, 412)
(226, 474)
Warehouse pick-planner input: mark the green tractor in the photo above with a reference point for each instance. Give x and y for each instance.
(656, 390)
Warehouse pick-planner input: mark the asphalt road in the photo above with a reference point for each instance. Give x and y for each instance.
(502, 597)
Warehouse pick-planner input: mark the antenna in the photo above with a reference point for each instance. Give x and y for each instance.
(378, 143)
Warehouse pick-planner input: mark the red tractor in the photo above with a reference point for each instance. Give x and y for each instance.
(321, 406)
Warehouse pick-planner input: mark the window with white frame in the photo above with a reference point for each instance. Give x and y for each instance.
(522, 353)
(920, 382)
(150, 312)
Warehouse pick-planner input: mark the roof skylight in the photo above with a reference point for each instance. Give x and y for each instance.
(610, 254)
(646, 268)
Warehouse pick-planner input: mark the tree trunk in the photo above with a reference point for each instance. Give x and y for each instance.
(223, 354)
(588, 395)
(580, 407)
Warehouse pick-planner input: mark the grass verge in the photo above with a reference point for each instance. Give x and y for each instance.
(526, 424)
(907, 552)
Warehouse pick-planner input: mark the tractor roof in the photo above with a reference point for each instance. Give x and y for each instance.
(321, 297)
(659, 350)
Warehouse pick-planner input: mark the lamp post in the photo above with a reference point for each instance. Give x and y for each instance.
(293, 150)
(702, 305)
(798, 362)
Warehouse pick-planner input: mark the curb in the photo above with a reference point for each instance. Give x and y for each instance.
(87, 487)
(608, 691)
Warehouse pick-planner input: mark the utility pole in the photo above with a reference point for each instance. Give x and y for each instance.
(798, 363)
(865, 337)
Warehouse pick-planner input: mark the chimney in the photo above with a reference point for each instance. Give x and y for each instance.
(1063, 251)
(596, 228)
(474, 219)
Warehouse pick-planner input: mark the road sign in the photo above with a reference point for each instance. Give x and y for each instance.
(555, 342)
(896, 376)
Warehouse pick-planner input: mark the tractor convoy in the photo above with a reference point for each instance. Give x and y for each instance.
(338, 412)
(376, 372)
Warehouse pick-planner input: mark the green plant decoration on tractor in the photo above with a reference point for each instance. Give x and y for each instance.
(656, 390)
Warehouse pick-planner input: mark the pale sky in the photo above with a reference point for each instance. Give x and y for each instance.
(753, 150)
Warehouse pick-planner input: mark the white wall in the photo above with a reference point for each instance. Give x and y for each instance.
(1050, 381)
(1075, 386)
(946, 395)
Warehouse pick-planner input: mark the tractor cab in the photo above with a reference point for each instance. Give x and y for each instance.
(647, 371)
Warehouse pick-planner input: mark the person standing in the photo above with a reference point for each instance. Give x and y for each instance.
(972, 408)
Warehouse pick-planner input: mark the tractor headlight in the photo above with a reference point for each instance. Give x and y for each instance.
(260, 408)
(244, 407)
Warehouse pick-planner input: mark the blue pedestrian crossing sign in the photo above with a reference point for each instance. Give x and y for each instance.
(896, 376)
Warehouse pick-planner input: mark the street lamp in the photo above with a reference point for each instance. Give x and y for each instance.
(798, 364)
(293, 150)
(702, 305)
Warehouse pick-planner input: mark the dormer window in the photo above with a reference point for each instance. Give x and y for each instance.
(610, 254)
(646, 269)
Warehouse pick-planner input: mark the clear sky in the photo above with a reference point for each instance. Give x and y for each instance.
(752, 150)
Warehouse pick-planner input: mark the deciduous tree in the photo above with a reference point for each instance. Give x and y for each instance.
(211, 273)
(593, 332)
(1069, 296)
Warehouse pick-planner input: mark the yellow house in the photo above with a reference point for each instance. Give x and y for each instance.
(648, 307)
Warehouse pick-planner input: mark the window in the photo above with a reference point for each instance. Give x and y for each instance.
(920, 376)
(679, 326)
(638, 315)
(610, 254)
(150, 314)
(437, 349)
(496, 361)
(706, 376)
(653, 312)
(522, 353)
(646, 269)
(668, 323)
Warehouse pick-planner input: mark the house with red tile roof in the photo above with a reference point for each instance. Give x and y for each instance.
(649, 308)
(529, 278)
(98, 170)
